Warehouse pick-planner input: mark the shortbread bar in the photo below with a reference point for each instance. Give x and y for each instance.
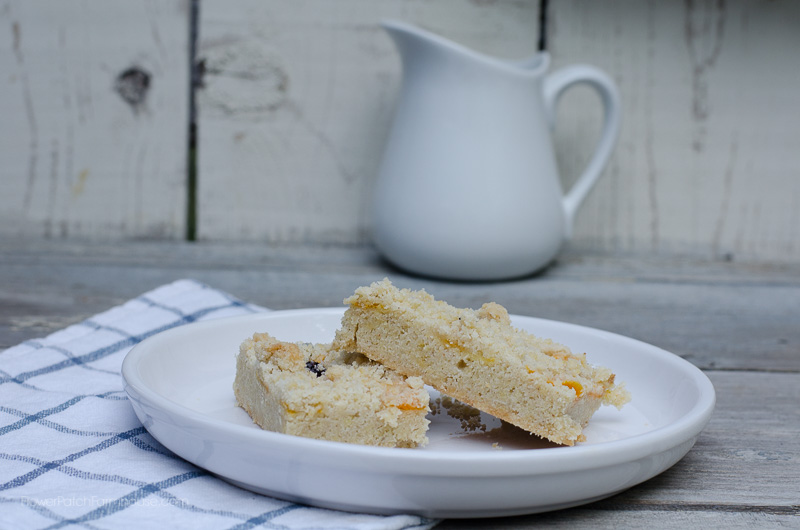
(314, 391)
(479, 358)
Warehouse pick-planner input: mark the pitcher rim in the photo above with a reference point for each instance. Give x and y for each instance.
(514, 66)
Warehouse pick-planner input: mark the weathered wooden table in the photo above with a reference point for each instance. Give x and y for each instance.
(739, 323)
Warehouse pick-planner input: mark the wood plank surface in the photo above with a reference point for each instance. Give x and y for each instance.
(297, 100)
(707, 161)
(738, 322)
(717, 315)
(94, 107)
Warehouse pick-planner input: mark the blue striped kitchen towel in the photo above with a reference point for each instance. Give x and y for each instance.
(74, 455)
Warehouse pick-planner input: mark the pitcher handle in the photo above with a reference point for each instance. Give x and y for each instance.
(554, 86)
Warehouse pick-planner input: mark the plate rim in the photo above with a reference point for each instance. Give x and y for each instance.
(441, 463)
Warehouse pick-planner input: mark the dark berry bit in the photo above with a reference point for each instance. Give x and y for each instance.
(315, 368)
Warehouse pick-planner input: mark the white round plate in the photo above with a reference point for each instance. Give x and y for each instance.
(180, 385)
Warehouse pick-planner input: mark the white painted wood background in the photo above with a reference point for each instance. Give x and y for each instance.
(297, 103)
(77, 159)
(708, 160)
(297, 99)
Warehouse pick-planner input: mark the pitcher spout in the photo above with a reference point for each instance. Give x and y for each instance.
(411, 42)
(414, 43)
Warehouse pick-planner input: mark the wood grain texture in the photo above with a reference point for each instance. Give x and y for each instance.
(707, 162)
(717, 315)
(94, 108)
(297, 101)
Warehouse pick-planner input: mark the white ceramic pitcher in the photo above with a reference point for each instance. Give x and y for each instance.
(468, 187)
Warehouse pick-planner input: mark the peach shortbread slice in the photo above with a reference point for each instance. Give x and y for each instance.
(315, 391)
(479, 358)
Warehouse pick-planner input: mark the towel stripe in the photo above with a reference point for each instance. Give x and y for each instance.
(27, 477)
(38, 416)
(36, 507)
(108, 350)
(75, 472)
(85, 475)
(51, 424)
(128, 500)
(265, 517)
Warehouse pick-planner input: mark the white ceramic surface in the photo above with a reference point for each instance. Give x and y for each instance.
(179, 383)
(468, 186)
